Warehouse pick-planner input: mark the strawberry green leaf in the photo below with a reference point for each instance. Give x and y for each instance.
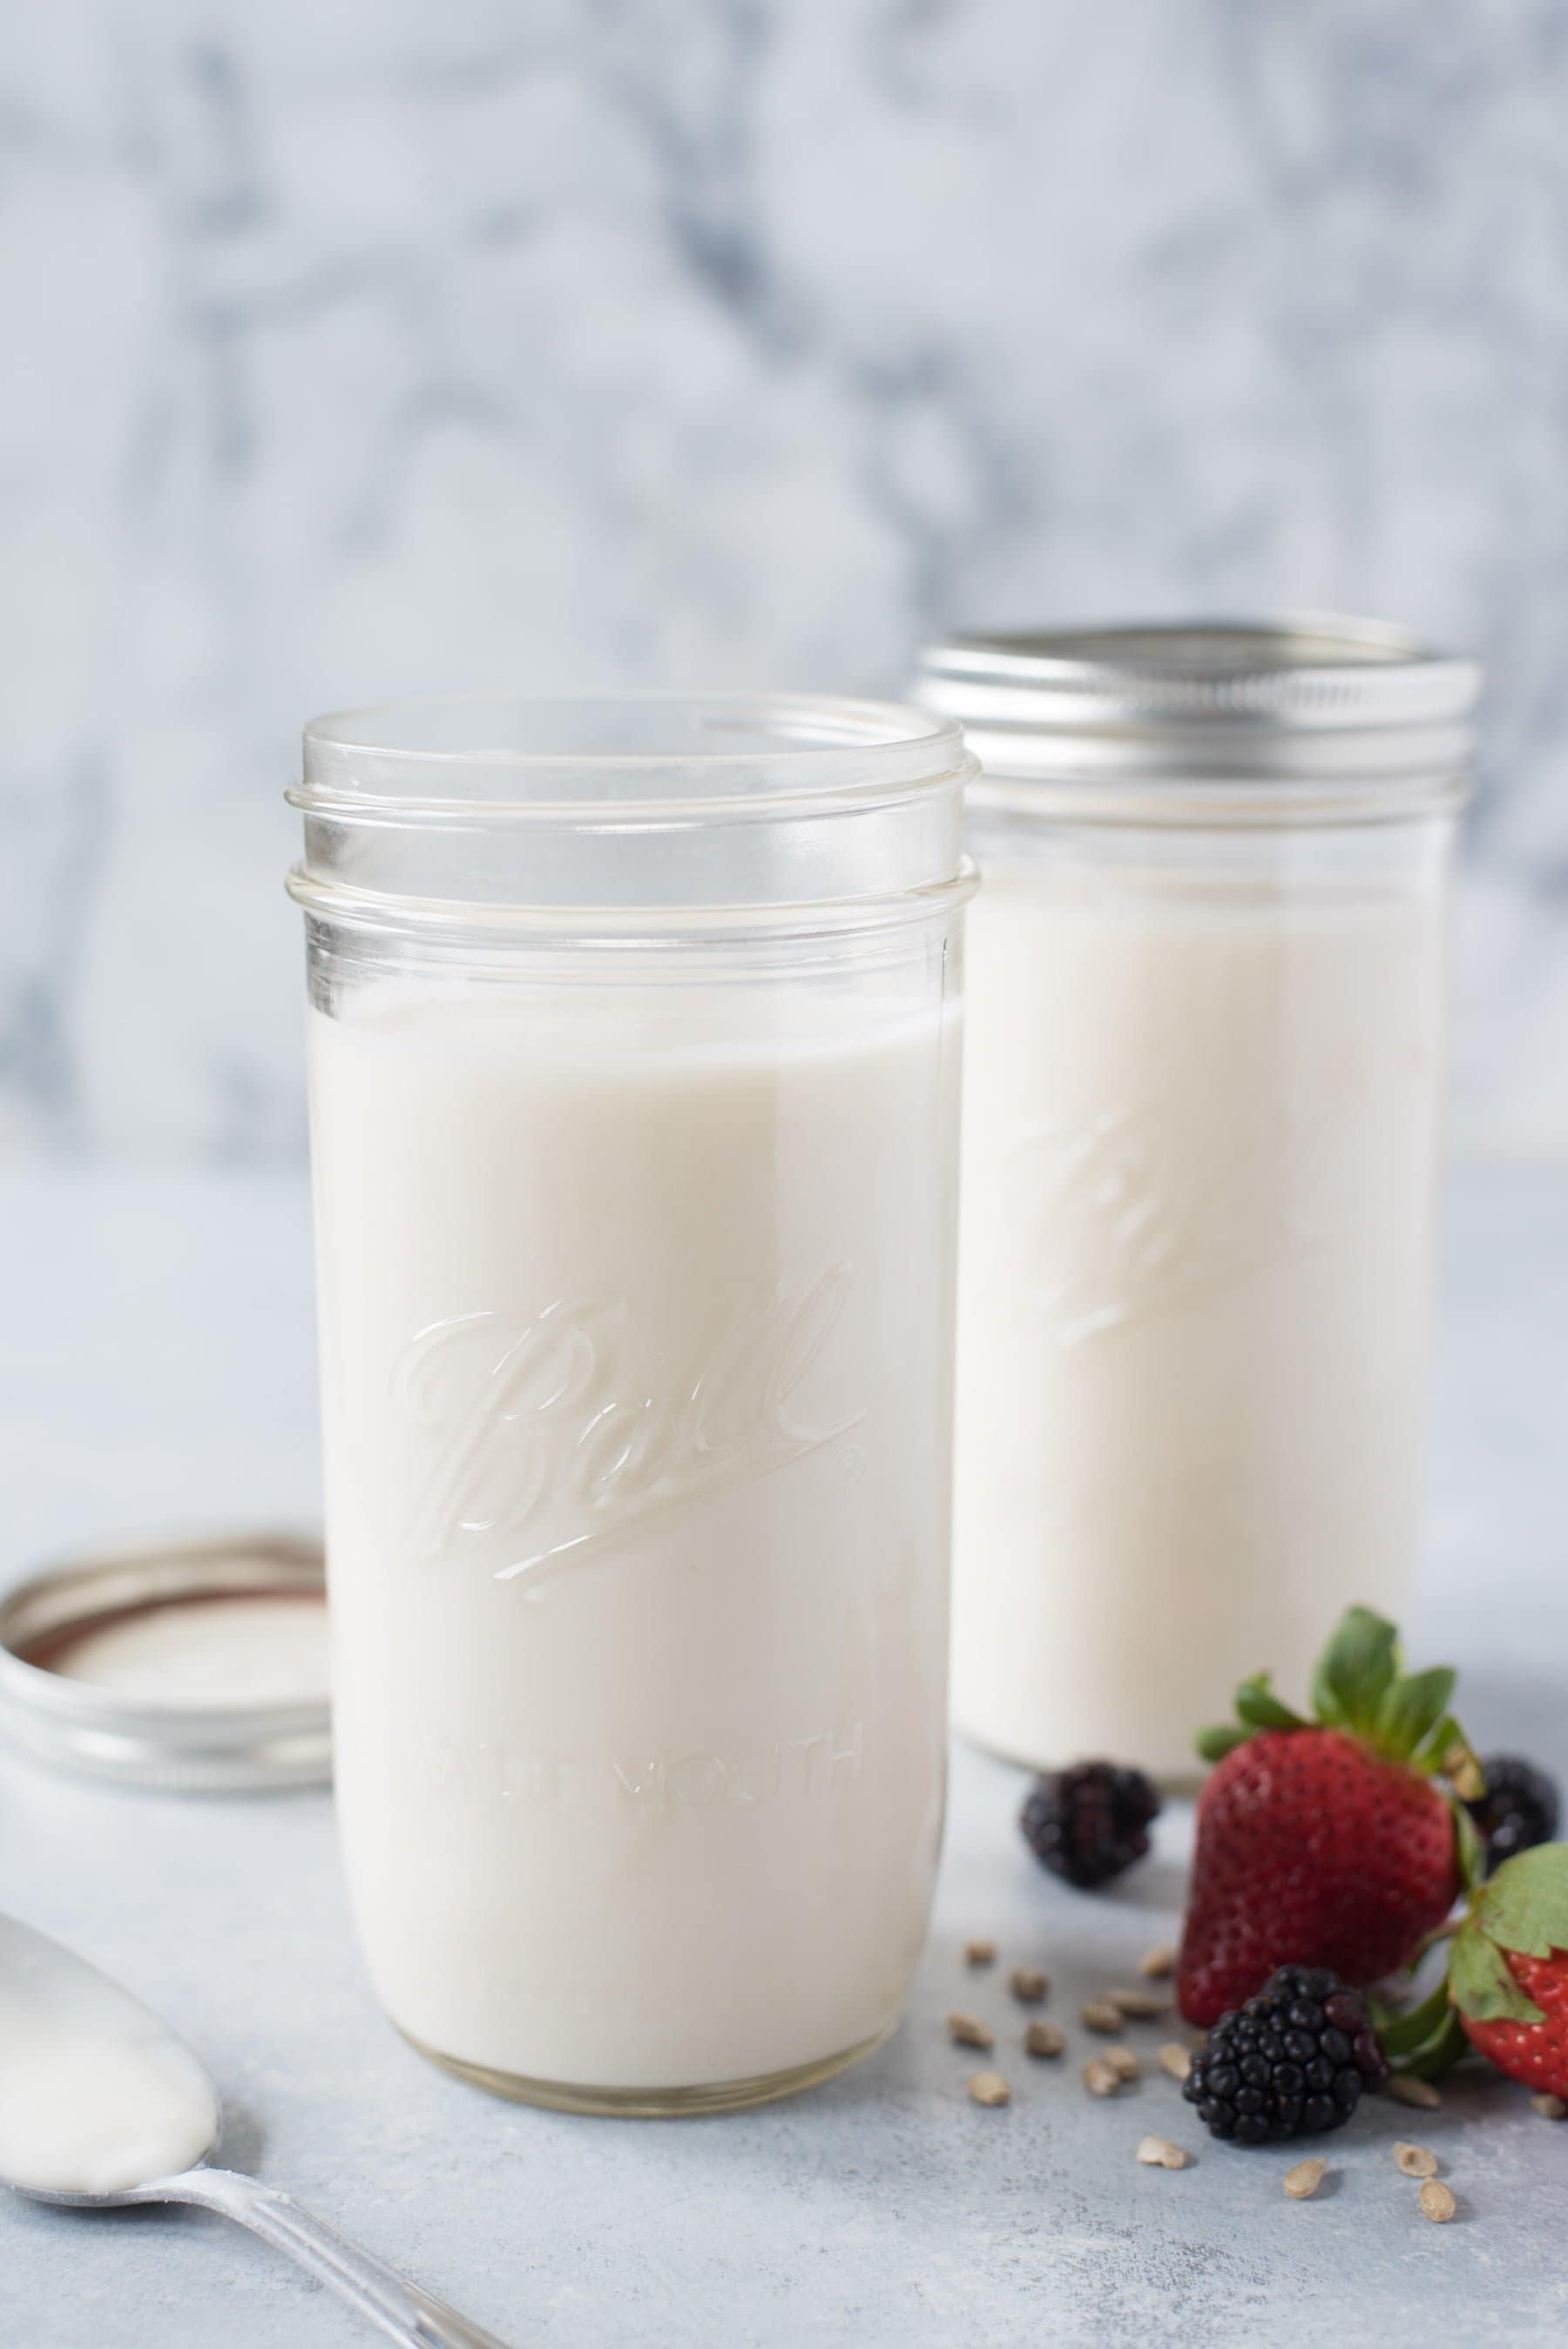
(1258, 1706)
(1401, 2035)
(1440, 2052)
(1411, 1709)
(1449, 1751)
(1525, 1906)
(1481, 1984)
(1469, 1849)
(1213, 1744)
(1355, 1670)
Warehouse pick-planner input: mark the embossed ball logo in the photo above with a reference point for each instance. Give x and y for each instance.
(545, 1443)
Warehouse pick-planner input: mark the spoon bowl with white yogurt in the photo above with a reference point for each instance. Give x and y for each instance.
(102, 2105)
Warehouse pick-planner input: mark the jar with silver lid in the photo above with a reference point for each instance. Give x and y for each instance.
(1205, 1056)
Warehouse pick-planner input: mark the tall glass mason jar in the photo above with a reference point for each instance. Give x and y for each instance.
(633, 1055)
(1204, 1054)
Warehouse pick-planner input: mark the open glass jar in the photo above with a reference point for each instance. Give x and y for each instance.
(633, 1054)
(1203, 1068)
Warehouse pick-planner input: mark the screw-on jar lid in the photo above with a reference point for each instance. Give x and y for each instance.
(198, 1665)
(1315, 718)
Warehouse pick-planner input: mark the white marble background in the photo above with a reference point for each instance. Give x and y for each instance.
(361, 347)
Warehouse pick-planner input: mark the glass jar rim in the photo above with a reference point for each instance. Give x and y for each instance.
(638, 813)
(525, 757)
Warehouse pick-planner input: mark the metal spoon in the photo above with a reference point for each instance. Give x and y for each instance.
(100, 2104)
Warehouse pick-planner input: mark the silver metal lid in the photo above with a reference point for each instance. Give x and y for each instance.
(1302, 719)
(155, 1733)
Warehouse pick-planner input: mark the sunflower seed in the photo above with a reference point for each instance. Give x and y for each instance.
(968, 2030)
(979, 1953)
(1159, 2153)
(1028, 1984)
(1101, 2015)
(1175, 2059)
(1437, 2201)
(1550, 2108)
(989, 2088)
(1122, 2062)
(1099, 2078)
(1302, 2182)
(1415, 2160)
(1137, 2006)
(1406, 2089)
(1043, 2039)
(1158, 1964)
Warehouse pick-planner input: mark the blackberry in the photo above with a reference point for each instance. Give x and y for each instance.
(1090, 1822)
(1518, 1809)
(1290, 2063)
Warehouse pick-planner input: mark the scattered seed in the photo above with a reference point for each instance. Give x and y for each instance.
(1437, 2201)
(1406, 2089)
(1122, 2062)
(1159, 2153)
(1100, 2078)
(1137, 2006)
(1550, 2108)
(1043, 2039)
(1101, 2015)
(1175, 2059)
(1415, 2160)
(1028, 1984)
(989, 2088)
(979, 1953)
(1158, 1964)
(968, 2030)
(1302, 2182)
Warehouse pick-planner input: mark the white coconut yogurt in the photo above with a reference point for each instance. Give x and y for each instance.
(638, 1397)
(96, 2094)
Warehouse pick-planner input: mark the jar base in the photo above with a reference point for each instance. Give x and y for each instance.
(651, 2104)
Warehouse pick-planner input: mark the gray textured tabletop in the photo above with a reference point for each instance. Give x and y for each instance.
(155, 1365)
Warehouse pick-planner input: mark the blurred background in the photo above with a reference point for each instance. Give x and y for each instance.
(382, 347)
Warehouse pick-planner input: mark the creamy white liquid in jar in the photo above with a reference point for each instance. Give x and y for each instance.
(635, 1305)
(1203, 1065)
(1197, 1247)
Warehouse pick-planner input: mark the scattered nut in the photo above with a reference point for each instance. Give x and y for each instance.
(1028, 1984)
(968, 2030)
(1137, 2006)
(989, 2088)
(979, 1953)
(1101, 2015)
(1122, 2062)
(1415, 2160)
(1175, 2059)
(1043, 2039)
(1437, 2201)
(1099, 2078)
(1159, 2153)
(1550, 2108)
(1302, 2182)
(1158, 1964)
(1406, 2089)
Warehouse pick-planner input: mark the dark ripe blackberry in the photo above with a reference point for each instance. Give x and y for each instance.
(1090, 1822)
(1291, 2062)
(1518, 1809)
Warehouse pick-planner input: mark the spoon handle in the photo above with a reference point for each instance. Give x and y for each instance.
(412, 2317)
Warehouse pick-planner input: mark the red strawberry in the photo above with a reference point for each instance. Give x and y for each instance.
(1324, 1842)
(1507, 1971)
